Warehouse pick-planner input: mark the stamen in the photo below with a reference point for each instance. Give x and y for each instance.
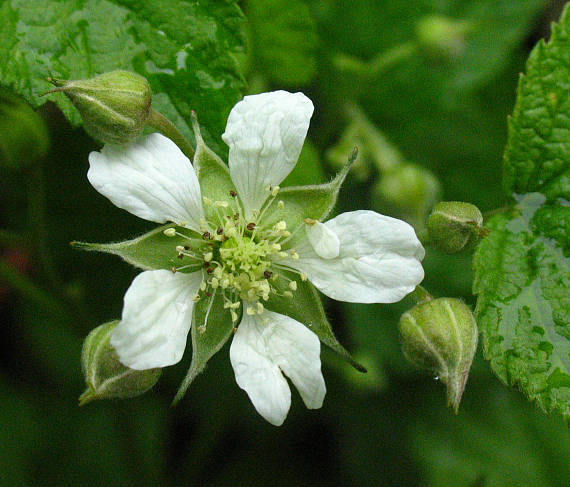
(170, 232)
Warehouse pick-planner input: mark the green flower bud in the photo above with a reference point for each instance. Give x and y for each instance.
(408, 191)
(454, 226)
(442, 36)
(24, 137)
(114, 106)
(105, 376)
(441, 335)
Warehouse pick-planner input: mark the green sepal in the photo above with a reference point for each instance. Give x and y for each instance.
(206, 343)
(213, 174)
(150, 251)
(106, 377)
(305, 306)
(312, 201)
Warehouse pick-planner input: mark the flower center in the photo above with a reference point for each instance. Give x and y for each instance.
(242, 259)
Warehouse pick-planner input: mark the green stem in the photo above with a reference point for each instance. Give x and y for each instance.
(29, 290)
(167, 128)
(381, 62)
(420, 295)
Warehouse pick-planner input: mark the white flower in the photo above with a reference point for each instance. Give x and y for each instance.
(359, 256)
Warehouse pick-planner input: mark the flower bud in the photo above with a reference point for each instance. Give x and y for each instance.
(454, 226)
(114, 106)
(442, 36)
(441, 335)
(408, 191)
(105, 375)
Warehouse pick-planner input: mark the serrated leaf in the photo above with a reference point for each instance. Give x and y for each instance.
(305, 306)
(283, 40)
(153, 250)
(537, 157)
(185, 50)
(211, 328)
(523, 308)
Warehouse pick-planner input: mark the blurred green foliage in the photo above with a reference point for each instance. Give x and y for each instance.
(447, 115)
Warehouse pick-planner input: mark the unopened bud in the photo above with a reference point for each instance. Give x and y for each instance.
(442, 36)
(454, 226)
(105, 375)
(114, 106)
(441, 335)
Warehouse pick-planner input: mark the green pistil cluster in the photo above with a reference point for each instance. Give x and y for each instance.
(239, 256)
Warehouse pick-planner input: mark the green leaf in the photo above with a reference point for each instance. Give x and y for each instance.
(206, 341)
(305, 306)
(537, 157)
(185, 50)
(153, 250)
(283, 40)
(523, 306)
(300, 202)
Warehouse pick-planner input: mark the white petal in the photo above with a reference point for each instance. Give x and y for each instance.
(151, 178)
(266, 345)
(378, 262)
(324, 241)
(265, 134)
(157, 314)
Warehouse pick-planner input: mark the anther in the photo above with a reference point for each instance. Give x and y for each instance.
(196, 298)
(202, 328)
(170, 232)
(206, 236)
(267, 274)
(250, 226)
(250, 310)
(180, 256)
(220, 230)
(303, 277)
(173, 270)
(209, 270)
(293, 285)
(310, 221)
(208, 257)
(207, 293)
(187, 247)
(236, 216)
(280, 205)
(233, 194)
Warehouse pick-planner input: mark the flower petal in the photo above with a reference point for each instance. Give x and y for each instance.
(151, 179)
(378, 262)
(268, 344)
(157, 314)
(323, 240)
(265, 134)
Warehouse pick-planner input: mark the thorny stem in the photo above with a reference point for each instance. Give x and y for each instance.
(168, 129)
